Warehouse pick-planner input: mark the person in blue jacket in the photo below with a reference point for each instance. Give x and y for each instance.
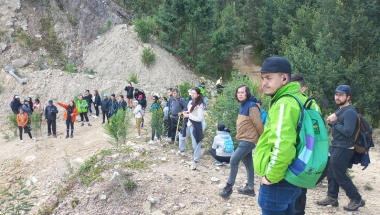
(263, 113)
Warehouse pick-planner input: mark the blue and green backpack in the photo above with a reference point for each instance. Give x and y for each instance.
(312, 147)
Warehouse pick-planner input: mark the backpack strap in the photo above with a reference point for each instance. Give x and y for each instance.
(358, 129)
(302, 113)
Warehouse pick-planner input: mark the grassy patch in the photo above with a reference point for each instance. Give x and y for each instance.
(133, 78)
(70, 68)
(368, 186)
(129, 185)
(88, 71)
(137, 164)
(23, 39)
(50, 40)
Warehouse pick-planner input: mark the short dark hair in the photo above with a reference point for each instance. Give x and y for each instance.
(121, 96)
(299, 78)
(164, 98)
(170, 89)
(174, 90)
(247, 91)
(113, 94)
(87, 91)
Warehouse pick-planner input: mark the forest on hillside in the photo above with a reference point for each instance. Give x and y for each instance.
(330, 42)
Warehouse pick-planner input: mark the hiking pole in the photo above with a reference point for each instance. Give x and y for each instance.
(176, 131)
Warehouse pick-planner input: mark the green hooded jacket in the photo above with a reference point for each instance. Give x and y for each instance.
(84, 107)
(276, 149)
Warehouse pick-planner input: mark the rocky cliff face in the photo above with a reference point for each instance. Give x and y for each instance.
(74, 22)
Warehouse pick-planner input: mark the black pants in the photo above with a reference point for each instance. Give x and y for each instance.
(20, 130)
(219, 158)
(169, 126)
(301, 199)
(85, 116)
(105, 113)
(52, 126)
(336, 175)
(96, 110)
(173, 127)
(69, 124)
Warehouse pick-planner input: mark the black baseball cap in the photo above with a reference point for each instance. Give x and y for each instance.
(275, 64)
(343, 89)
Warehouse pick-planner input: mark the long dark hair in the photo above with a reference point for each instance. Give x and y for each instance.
(247, 91)
(197, 101)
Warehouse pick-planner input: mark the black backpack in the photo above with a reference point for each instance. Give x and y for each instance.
(363, 136)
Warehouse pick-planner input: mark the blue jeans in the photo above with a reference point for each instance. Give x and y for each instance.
(242, 153)
(278, 198)
(205, 102)
(196, 146)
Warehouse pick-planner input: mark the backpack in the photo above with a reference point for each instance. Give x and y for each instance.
(363, 136)
(228, 145)
(312, 148)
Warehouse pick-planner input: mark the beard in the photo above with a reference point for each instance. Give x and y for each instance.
(340, 103)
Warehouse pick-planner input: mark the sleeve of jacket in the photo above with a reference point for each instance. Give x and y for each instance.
(46, 113)
(26, 120)
(198, 117)
(283, 139)
(56, 109)
(75, 112)
(184, 104)
(254, 114)
(350, 121)
(63, 105)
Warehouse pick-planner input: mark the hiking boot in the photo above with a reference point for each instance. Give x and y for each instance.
(226, 192)
(89, 124)
(54, 135)
(49, 134)
(218, 163)
(246, 191)
(71, 136)
(82, 124)
(354, 205)
(328, 201)
(67, 136)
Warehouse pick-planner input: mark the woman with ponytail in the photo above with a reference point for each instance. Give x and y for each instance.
(193, 124)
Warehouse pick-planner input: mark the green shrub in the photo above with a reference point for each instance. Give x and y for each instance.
(19, 202)
(102, 29)
(50, 40)
(148, 57)
(12, 119)
(1, 88)
(35, 124)
(70, 68)
(157, 121)
(133, 78)
(184, 88)
(109, 23)
(24, 39)
(129, 185)
(117, 127)
(89, 71)
(144, 28)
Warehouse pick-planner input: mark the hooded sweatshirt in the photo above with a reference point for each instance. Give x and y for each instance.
(248, 124)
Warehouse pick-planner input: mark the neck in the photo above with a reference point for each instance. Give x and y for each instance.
(344, 105)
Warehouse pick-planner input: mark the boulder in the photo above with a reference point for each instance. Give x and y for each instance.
(19, 63)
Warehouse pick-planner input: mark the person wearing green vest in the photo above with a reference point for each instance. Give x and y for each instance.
(82, 107)
(276, 147)
(204, 94)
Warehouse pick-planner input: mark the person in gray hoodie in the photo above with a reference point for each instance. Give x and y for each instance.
(343, 126)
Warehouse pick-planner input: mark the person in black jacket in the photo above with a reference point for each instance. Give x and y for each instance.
(137, 94)
(130, 90)
(88, 98)
(97, 103)
(113, 106)
(16, 104)
(105, 107)
(122, 103)
(30, 101)
(50, 117)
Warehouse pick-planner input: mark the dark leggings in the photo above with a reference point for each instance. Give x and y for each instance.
(85, 116)
(105, 113)
(96, 110)
(21, 129)
(68, 124)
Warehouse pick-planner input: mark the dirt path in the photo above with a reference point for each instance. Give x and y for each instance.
(243, 61)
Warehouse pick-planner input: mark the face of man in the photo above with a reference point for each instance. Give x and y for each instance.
(175, 94)
(341, 99)
(120, 99)
(169, 93)
(86, 93)
(81, 98)
(272, 82)
(112, 98)
(241, 94)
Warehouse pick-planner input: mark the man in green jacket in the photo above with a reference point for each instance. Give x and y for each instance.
(276, 149)
(82, 107)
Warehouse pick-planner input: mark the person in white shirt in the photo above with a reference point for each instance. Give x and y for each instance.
(138, 117)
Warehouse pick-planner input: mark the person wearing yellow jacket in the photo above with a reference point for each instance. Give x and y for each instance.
(82, 107)
(276, 147)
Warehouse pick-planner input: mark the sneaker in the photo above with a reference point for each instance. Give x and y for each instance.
(151, 142)
(49, 134)
(33, 138)
(246, 191)
(226, 192)
(328, 201)
(354, 205)
(218, 163)
(103, 122)
(71, 136)
(168, 139)
(67, 136)
(21, 141)
(158, 141)
(138, 137)
(54, 135)
(181, 153)
(82, 124)
(89, 124)
(193, 166)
